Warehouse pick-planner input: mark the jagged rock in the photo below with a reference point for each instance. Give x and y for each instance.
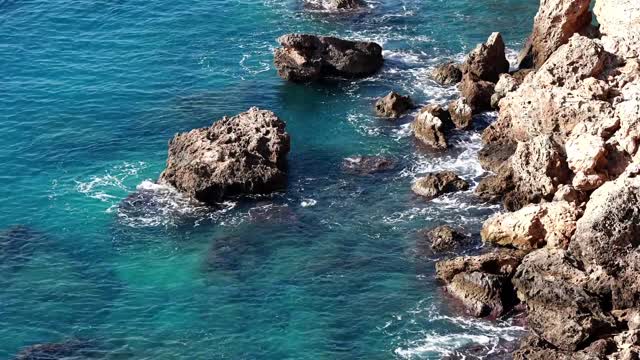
(507, 83)
(436, 184)
(393, 105)
(560, 309)
(555, 22)
(483, 294)
(447, 74)
(305, 58)
(53, 351)
(367, 165)
(539, 166)
(494, 187)
(441, 239)
(430, 125)
(476, 92)
(344, 4)
(619, 26)
(461, 114)
(487, 61)
(244, 154)
(495, 155)
(516, 199)
(570, 194)
(535, 348)
(586, 154)
(498, 262)
(534, 226)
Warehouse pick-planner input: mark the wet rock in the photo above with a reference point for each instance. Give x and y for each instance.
(436, 184)
(53, 351)
(17, 245)
(498, 262)
(447, 74)
(534, 226)
(476, 92)
(483, 294)
(244, 154)
(561, 310)
(494, 156)
(461, 114)
(430, 126)
(487, 61)
(441, 239)
(306, 58)
(272, 214)
(367, 165)
(393, 105)
(229, 253)
(337, 4)
(555, 22)
(494, 187)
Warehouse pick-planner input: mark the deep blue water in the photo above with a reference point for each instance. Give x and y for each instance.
(91, 92)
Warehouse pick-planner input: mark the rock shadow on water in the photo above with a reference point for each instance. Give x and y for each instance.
(18, 245)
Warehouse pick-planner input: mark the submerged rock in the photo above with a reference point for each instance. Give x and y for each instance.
(17, 245)
(367, 165)
(244, 154)
(430, 126)
(441, 239)
(436, 184)
(487, 61)
(447, 74)
(393, 105)
(305, 58)
(53, 351)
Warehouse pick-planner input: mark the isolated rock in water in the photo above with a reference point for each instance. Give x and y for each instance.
(555, 22)
(393, 105)
(244, 154)
(476, 92)
(534, 226)
(436, 184)
(65, 350)
(539, 166)
(447, 74)
(483, 294)
(620, 26)
(561, 310)
(442, 239)
(498, 262)
(461, 114)
(343, 4)
(487, 61)
(366, 165)
(305, 58)
(430, 125)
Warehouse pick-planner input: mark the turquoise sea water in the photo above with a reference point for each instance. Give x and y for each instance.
(91, 92)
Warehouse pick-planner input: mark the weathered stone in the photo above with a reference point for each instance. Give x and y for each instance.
(436, 184)
(430, 125)
(305, 58)
(620, 26)
(441, 239)
(494, 187)
(482, 294)
(244, 154)
(367, 165)
(498, 262)
(393, 105)
(495, 155)
(447, 74)
(487, 61)
(476, 92)
(461, 114)
(506, 84)
(555, 22)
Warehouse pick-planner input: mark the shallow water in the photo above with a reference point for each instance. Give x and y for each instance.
(92, 92)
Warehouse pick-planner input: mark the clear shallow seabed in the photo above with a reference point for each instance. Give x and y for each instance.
(91, 93)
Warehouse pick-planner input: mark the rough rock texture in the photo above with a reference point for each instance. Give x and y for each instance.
(393, 105)
(483, 294)
(367, 165)
(430, 126)
(506, 84)
(461, 114)
(620, 26)
(487, 61)
(493, 156)
(534, 226)
(441, 239)
(436, 184)
(494, 187)
(476, 92)
(244, 154)
(305, 58)
(555, 22)
(447, 74)
(499, 262)
(345, 4)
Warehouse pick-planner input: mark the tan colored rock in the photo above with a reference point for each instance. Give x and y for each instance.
(393, 105)
(539, 166)
(534, 226)
(499, 262)
(461, 114)
(586, 154)
(487, 61)
(555, 22)
(505, 85)
(430, 125)
(476, 92)
(620, 26)
(436, 184)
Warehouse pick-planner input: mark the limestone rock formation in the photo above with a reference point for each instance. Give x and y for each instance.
(447, 74)
(436, 184)
(244, 154)
(306, 58)
(367, 165)
(620, 26)
(461, 114)
(430, 126)
(393, 105)
(499, 262)
(483, 294)
(487, 61)
(476, 92)
(441, 239)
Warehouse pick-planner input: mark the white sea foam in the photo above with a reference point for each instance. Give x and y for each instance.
(102, 187)
(308, 202)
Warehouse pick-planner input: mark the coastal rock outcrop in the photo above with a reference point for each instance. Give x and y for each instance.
(393, 105)
(306, 58)
(487, 61)
(620, 26)
(555, 22)
(499, 261)
(367, 165)
(441, 239)
(244, 154)
(476, 92)
(430, 126)
(436, 184)
(447, 74)
(461, 114)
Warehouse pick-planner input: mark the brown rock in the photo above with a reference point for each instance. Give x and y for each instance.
(447, 74)
(498, 262)
(494, 187)
(430, 125)
(441, 239)
(305, 58)
(367, 165)
(487, 61)
(495, 155)
(436, 184)
(461, 114)
(555, 22)
(482, 294)
(244, 154)
(476, 92)
(393, 105)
